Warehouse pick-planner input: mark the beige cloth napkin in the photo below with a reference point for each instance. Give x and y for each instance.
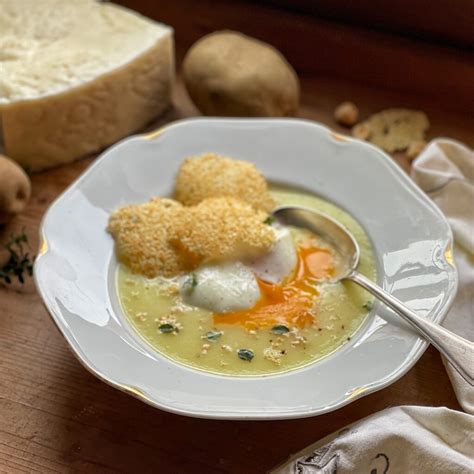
(400, 440)
(418, 439)
(445, 171)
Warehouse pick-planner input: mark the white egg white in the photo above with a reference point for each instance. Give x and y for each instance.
(221, 288)
(233, 286)
(280, 262)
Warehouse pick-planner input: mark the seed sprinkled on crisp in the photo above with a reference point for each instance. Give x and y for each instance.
(211, 175)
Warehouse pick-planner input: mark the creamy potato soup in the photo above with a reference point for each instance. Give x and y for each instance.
(271, 327)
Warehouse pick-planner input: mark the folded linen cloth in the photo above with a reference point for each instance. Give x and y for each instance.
(397, 440)
(418, 439)
(445, 171)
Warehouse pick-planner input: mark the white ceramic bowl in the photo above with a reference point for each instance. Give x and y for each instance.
(75, 270)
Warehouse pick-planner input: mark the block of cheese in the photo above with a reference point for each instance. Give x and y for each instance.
(76, 76)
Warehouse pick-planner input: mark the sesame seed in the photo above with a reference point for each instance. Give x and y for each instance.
(212, 175)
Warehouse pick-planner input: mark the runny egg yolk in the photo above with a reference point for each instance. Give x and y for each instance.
(292, 302)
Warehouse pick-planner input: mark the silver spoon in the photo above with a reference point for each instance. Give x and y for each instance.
(457, 350)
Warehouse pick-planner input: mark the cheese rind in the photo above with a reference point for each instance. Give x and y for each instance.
(74, 114)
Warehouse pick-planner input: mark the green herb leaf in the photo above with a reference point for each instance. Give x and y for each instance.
(269, 220)
(167, 328)
(190, 283)
(368, 306)
(280, 330)
(245, 354)
(19, 261)
(213, 335)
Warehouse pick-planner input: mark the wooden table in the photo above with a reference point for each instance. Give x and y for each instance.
(57, 417)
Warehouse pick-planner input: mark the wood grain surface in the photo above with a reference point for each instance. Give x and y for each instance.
(318, 46)
(57, 417)
(443, 21)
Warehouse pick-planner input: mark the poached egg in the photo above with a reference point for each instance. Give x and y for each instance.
(278, 288)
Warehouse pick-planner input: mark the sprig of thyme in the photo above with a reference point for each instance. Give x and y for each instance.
(19, 261)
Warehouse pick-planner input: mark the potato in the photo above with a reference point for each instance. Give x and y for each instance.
(15, 189)
(229, 74)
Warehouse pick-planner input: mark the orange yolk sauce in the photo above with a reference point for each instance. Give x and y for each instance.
(292, 302)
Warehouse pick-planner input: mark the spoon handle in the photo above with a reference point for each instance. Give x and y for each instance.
(458, 351)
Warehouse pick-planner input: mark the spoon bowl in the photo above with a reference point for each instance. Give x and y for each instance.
(331, 231)
(458, 351)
